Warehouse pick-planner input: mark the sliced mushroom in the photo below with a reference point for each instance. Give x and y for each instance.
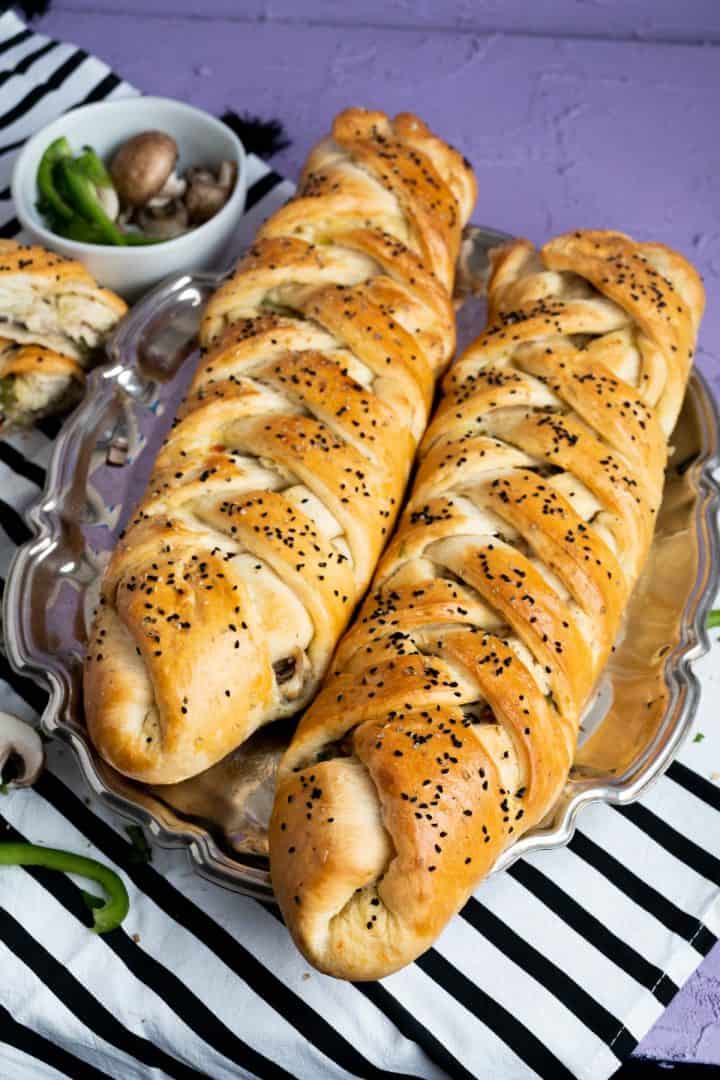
(20, 743)
(203, 201)
(173, 188)
(142, 166)
(227, 175)
(198, 174)
(284, 669)
(208, 193)
(290, 673)
(166, 221)
(339, 748)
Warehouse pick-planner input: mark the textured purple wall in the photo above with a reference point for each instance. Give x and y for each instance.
(575, 113)
(653, 20)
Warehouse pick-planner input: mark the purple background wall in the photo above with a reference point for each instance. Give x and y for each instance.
(575, 113)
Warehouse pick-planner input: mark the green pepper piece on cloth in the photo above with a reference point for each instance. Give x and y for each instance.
(110, 912)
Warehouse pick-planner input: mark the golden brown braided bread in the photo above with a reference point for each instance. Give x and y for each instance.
(448, 725)
(270, 502)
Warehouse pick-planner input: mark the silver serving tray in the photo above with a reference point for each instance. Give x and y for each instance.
(643, 708)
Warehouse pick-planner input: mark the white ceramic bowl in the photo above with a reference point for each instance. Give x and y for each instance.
(201, 139)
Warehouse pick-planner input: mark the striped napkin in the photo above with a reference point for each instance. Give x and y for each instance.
(554, 969)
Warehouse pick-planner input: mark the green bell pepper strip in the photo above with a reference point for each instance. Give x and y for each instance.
(107, 914)
(713, 619)
(134, 239)
(79, 229)
(95, 170)
(88, 233)
(50, 197)
(81, 192)
(93, 167)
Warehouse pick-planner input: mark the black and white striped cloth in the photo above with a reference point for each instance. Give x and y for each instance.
(554, 969)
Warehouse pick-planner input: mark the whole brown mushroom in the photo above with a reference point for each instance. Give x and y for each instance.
(142, 165)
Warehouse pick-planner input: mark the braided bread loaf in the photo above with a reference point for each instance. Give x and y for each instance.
(448, 725)
(271, 499)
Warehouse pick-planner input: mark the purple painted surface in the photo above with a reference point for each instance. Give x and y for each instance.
(564, 131)
(653, 20)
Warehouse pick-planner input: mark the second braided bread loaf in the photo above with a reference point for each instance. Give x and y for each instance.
(448, 724)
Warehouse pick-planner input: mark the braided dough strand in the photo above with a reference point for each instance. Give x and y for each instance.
(278, 485)
(447, 726)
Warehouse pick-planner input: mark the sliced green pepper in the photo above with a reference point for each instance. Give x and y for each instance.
(50, 197)
(79, 229)
(88, 233)
(75, 194)
(83, 196)
(96, 172)
(713, 619)
(107, 914)
(136, 239)
(93, 167)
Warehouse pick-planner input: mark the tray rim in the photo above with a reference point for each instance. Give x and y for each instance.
(206, 856)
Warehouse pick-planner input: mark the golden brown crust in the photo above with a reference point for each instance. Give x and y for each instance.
(35, 360)
(48, 300)
(53, 272)
(448, 724)
(277, 487)
(36, 382)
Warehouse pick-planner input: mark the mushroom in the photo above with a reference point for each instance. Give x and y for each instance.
(207, 193)
(142, 165)
(20, 742)
(291, 673)
(174, 188)
(165, 221)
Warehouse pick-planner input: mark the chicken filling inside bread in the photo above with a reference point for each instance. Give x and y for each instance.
(73, 323)
(35, 381)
